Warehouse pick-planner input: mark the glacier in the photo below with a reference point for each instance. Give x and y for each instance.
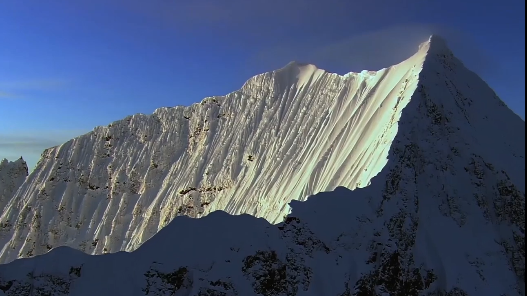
(420, 169)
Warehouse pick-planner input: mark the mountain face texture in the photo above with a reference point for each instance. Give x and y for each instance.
(12, 175)
(422, 166)
(285, 135)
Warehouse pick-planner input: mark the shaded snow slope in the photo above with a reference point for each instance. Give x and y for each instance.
(444, 215)
(12, 175)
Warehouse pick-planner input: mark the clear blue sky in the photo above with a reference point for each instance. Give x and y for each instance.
(67, 66)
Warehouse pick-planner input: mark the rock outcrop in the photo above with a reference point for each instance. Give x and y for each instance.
(12, 175)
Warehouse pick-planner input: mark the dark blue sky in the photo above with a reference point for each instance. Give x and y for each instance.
(67, 66)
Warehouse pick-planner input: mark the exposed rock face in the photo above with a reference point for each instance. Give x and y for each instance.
(12, 175)
(443, 215)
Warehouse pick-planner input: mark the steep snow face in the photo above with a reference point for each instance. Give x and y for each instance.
(445, 215)
(284, 135)
(12, 175)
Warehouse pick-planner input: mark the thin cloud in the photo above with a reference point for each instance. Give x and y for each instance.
(27, 144)
(36, 141)
(9, 96)
(31, 144)
(38, 84)
(17, 89)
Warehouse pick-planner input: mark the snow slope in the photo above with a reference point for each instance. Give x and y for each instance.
(444, 214)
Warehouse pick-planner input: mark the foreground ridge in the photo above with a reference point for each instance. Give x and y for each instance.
(443, 215)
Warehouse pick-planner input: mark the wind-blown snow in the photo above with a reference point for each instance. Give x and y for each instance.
(444, 213)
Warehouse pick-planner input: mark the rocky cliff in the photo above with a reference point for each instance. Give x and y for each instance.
(12, 175)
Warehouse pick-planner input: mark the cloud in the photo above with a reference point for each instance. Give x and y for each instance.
(37, 84)
(27, 144)
(31, 144)
(17, 89)
(12, 147)
(9, 96)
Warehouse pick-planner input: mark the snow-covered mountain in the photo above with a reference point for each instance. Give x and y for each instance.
(284, 135)
(435, 157)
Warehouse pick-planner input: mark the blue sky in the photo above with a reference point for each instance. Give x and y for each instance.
(67, 66)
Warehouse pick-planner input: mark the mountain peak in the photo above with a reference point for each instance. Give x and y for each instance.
(12, 175)
(19, 163)
(435, 44)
